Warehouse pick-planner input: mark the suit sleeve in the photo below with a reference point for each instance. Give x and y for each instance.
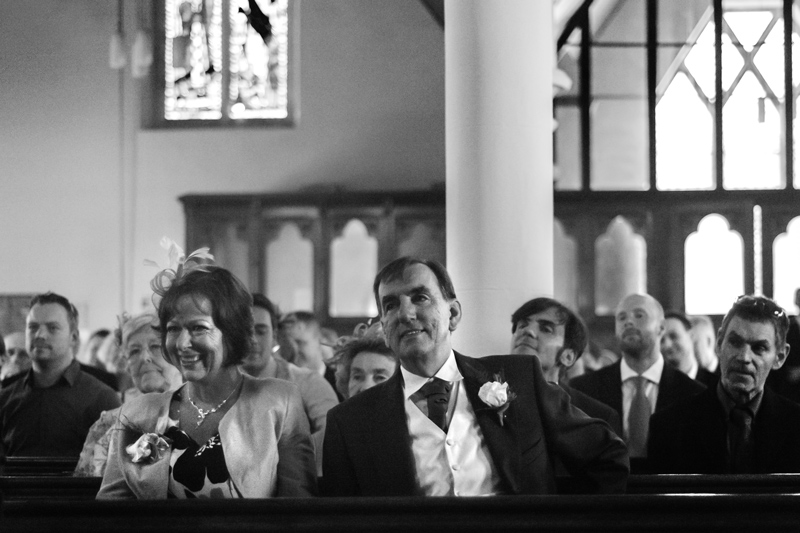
(588, 447)
(338, 473)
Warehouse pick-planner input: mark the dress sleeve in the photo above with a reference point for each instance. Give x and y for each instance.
(296, 465)
(114, 485)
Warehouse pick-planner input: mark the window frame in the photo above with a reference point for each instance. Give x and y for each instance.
(152, 112)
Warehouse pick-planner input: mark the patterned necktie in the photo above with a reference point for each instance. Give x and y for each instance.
(739, 429)
(437, 395)
(638, 419)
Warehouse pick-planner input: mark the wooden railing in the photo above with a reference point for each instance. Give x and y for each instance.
(622, 513)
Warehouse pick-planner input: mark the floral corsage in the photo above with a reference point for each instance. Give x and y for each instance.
(150, 447)
(497, 395)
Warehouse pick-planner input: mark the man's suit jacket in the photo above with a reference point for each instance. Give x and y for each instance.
(594, 408)
(709, 379)
(605, 385)
(691, 437)
(367, 450)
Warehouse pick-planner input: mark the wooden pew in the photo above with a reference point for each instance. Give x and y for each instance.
(35, 466)
(25, 488)
(628, 513)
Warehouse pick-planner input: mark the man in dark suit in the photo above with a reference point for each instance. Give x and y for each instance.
(447, 424)
(739, 426)
(677, 347)
(639, 383)
(551, 331)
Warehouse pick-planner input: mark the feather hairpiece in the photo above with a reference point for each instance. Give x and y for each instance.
(179, 265)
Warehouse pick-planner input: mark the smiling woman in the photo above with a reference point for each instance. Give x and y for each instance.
(222, 434)
(138, 341)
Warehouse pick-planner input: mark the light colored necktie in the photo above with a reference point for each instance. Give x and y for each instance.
(638, 419)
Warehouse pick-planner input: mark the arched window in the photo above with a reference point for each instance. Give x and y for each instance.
(354, 264)
(714, 274)
(290, 269)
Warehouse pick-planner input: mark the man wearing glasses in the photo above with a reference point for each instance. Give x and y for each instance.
(737, 427)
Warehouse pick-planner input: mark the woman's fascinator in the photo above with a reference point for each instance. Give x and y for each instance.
(179, 265)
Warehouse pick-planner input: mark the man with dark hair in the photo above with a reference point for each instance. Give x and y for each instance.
(447, 424)
(49, 411)
(639, 383)
(677, 347)
(302, 331)
(317, 394)
(739, 426)
(548, 329)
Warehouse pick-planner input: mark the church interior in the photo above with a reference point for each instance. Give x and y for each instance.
(662, 161)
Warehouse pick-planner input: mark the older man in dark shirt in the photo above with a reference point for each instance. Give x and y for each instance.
(49, 411)
(738, 426)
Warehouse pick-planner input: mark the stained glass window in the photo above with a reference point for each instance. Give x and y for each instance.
(226, 60)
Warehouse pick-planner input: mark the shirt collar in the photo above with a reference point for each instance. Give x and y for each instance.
(70, 375)
(412, 382)
(728, 403)
(652, 374)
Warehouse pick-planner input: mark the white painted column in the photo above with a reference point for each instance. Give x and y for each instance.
(498, 94)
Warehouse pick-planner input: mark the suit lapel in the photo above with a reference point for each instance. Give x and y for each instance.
(500, 439)
(389, 443)
(613, 386)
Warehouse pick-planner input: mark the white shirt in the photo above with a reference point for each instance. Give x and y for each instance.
(653, 376)
(453, 464)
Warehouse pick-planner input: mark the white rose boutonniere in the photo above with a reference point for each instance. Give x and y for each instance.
(497, 395)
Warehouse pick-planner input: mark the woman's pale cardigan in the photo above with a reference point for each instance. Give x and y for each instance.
(265, 438)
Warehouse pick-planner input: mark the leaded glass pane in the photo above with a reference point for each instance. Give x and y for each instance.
(713, 267)
(259, 59)
(193, 59)
(751, 138)
(618, 21)
(567, 168)
(619, 119)
(684, 155)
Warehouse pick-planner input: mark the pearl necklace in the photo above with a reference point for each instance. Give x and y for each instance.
(203, 413)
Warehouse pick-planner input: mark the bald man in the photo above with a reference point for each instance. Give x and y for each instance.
(639, 383)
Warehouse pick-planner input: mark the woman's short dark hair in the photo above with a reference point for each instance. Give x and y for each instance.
(230, 308)
(345, 355)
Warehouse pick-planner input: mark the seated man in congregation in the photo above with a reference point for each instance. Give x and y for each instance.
(303, 333)
(739, 426)
(451, 425)
(551, 331)
(48, 412)
(317, 394)
(640, 383)
(677, 346)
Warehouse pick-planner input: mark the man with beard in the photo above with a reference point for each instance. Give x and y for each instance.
(639, 383)
(49, 411)
(739, 426)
